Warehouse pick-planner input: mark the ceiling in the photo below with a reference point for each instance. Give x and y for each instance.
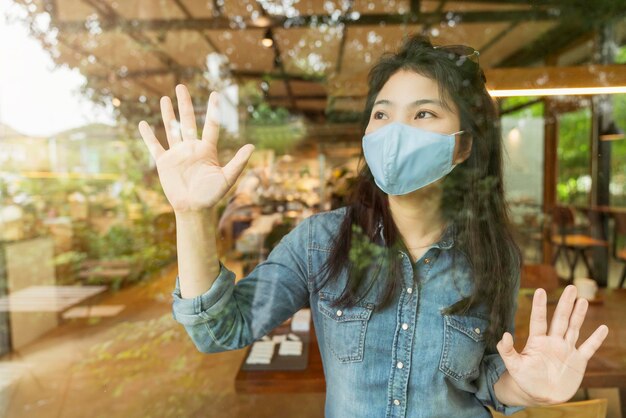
(137, 51)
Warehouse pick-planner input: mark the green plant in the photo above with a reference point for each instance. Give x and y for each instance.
(269, 127)
(67, 265)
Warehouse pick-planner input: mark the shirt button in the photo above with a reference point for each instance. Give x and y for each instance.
(339, 313)
(409, 290)
(427, 260)
(399, 365)
(400, 255)
(405, 326)
(396, 402)
(477, 330)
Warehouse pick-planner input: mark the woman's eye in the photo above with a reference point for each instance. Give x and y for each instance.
(422, 114)
(378, 115)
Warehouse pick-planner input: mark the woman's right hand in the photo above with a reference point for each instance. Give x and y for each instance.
(190, 173)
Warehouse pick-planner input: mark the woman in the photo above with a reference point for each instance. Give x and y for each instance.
(412, 286)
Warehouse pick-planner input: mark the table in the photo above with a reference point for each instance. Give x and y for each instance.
(289, 381)
(603, 208)
(47, 298)
(600, 255)
(34, 310)
(605, 370)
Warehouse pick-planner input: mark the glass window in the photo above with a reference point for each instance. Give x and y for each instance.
(91, 243)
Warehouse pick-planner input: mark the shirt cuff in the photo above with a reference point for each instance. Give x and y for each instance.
(495, 370)
(208, 305)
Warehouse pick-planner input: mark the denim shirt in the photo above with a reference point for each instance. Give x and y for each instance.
(405, 360)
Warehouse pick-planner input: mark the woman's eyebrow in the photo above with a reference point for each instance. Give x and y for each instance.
(412, 104)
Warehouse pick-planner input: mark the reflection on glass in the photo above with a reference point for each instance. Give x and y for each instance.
(88, 255)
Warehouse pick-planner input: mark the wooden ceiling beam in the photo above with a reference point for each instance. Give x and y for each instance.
(53, 9)
(218, 8)
(109, 67)
(556, 77)
(281, 68)
(142, 25)
(311, 96)
(575, 23)
(278, 76)
(342, 47)
(190, 71)
(202, 34)
(544, 78)
(300, 97)
(521, 2)
(544, 46)
(415, 6)
(498, 36)
(188, 15)
(111, 16)
(342, 42)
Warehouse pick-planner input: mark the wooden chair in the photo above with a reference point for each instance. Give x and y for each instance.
(594, 408)
(539, 275)
(620, 254)
(571, 243)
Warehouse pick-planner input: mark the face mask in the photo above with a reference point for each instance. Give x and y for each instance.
(403, 158)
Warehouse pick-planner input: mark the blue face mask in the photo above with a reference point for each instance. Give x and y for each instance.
(403, 158)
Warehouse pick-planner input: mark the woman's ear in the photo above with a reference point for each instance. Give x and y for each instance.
(463, 147)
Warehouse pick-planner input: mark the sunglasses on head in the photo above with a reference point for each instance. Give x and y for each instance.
(461, 53)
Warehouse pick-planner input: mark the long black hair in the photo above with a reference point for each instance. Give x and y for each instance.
(472, 196)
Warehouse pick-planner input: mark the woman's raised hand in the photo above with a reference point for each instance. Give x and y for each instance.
(190, 173)
(550, 368)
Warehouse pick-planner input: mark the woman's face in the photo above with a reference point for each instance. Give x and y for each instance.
(411, 98)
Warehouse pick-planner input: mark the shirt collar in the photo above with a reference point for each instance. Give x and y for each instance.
(445, 242)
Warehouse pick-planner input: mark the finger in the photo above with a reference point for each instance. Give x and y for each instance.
(538, 314)
(576, 321)
(595, 340)
(507, 351)
(235, 166)
(187, 116)
(172, 131)
(563, 311)
(153, 144)
(211, 129)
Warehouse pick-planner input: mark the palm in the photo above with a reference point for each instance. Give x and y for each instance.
(550, 368)
(190, 177)
(190, 173)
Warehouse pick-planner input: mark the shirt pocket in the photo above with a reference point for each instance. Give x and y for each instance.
(344, 328)
(463, 346)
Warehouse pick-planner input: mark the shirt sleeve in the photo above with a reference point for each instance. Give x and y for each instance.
(232, 315)
(492, 367)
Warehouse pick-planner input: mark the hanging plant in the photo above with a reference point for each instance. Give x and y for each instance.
(281, 138)
(270, 127)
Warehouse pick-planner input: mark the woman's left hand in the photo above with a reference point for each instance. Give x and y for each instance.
(550, 368)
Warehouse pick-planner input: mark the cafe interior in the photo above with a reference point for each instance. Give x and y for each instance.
(88, 240)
